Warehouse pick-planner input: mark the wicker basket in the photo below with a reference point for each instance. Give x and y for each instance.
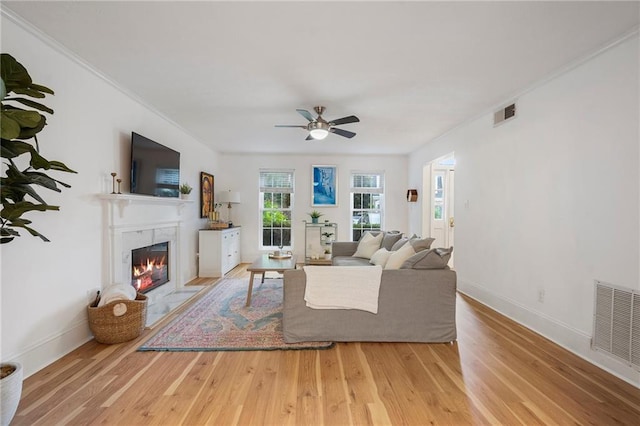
(118, 321)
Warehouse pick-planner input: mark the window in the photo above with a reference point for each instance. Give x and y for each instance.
(367, 194)
(438, 197)
(276, 199)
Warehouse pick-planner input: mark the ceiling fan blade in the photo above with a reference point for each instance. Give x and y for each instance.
(345, 133)
(306, 114)
(290, 125)
(345, 120)
(309, 138)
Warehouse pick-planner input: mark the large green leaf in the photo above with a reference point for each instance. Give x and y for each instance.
(61, 167)
(32, 104)
(18, 191)
(13, 73)
(17, 184)
(7, 235)
(29, 92)
(27, 133)
(10, 129)
(38, 161)
(42, 88)
(38, 178)
(13, 212)
(23, 224)
(23, 118)
(12, 149)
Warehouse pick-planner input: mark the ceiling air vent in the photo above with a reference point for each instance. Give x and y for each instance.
(504, 114)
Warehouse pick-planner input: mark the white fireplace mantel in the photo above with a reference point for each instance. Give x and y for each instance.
(133, 221)
(124, 200)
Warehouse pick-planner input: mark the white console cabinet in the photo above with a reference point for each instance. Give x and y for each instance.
(219, 251)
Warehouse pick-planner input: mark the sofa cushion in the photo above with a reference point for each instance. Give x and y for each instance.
(429, 259)
(397, 258)
(349, 261)
(390, 238)
(420, 244)
(396, 246)
(380, 257)
(368, 245)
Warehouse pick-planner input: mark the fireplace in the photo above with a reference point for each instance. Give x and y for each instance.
(150, 266)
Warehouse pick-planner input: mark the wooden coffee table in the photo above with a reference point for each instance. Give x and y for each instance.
(266, 264)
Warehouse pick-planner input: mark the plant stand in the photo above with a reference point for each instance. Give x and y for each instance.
(318, 237)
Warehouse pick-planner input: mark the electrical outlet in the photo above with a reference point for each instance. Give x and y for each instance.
(541, 295)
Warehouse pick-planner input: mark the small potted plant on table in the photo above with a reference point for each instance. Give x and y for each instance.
(315, 215)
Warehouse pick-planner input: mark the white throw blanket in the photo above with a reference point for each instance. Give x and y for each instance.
(343, 287)
(117, 292)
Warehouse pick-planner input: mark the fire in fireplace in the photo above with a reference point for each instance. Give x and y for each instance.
(150, 267)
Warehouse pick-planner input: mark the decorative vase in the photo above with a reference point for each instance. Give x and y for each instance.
(314, 220)
(10, 391)
(184, 196)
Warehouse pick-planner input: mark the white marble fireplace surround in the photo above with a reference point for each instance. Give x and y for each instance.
(127, 239)
(135, 221)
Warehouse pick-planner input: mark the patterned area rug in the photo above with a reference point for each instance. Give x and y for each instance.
(219, 321)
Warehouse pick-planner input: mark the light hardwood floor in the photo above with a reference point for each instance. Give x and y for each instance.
(496, 373)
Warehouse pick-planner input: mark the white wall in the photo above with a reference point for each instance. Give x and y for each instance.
(241, 173)
(552, 199)
(44, 285)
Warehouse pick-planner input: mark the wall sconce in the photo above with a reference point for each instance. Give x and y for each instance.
(412, 195)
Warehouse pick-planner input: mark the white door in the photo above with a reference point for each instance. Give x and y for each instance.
(450, 212)
(438, 205)
(442, 219)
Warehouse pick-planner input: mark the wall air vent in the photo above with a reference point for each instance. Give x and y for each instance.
(504, 114)
(616, 323)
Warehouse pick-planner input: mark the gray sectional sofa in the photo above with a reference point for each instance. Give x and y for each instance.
(414, 305)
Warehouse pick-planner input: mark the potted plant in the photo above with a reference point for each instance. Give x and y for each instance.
(327, 254)
(10, 390)
(315, 215)
(25, 171)
(185, 190)
(19, 141)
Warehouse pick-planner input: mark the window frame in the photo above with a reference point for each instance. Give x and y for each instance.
(356, 188)
(264, 188)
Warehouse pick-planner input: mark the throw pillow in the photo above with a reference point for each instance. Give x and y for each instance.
(390, 238)
(368, 245)
(429, 259)
(420, 244)
(397, 258)
(380, 257)
(396, 246)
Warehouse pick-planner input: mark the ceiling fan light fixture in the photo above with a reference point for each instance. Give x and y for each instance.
(318, 130)
(318, 134)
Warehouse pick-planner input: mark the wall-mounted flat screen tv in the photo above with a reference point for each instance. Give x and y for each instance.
(155, 169)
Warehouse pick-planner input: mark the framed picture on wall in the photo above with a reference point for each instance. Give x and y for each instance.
(324, 186)
(206, 194)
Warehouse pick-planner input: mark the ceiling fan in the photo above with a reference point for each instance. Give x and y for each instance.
(319, 128)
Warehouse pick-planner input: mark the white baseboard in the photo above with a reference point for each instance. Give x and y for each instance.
(40, 354)
(562, 334)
